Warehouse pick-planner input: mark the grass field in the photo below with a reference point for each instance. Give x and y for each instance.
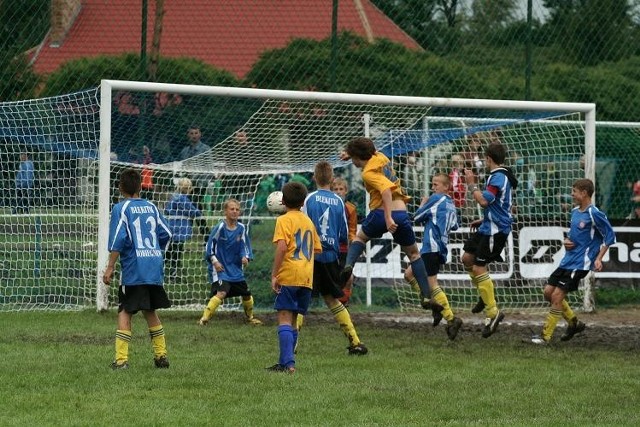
(55, 371)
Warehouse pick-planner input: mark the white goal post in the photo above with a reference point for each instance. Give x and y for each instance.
(289, 131)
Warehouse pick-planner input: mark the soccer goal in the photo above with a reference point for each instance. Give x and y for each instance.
(258, 139)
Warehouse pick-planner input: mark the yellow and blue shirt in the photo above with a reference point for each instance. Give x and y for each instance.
(378, 176)
(302, 240)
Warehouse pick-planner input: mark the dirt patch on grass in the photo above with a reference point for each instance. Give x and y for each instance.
(617, 329)
(613, 329)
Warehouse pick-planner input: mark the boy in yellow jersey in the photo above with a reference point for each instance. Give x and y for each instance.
(296, 241)
(388, 211)
(340, 187)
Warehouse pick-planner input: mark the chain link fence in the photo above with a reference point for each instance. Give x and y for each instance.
(551, 50)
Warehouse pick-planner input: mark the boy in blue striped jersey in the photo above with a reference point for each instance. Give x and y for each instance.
(590, 236)
(326, 210)
(227, 252)
(138, 236)
(486, 245)
(438, 214)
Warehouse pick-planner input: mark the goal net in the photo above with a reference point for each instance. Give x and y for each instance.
(55, 251)
(546, 154)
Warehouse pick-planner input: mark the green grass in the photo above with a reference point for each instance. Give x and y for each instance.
(55, 371)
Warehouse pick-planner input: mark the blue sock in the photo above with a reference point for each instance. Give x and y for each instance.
(420, 272)
(355, 250)
(286, 342)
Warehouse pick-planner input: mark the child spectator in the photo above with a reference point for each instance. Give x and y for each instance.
(458, 187)
(340, 187)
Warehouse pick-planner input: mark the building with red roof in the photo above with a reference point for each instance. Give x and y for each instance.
(228, 34)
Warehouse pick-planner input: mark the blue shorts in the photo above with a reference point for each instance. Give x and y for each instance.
(374, 226)
(295, 299)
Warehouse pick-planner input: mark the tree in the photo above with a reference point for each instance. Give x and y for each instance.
(432, 23)
(489, 14)
(23, 24)
(593, 31)
(152, 68)
(493, 22)
(382, 67)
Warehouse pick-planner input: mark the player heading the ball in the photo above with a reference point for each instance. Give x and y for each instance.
(388, 211)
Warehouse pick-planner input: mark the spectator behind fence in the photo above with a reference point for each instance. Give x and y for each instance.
(458, 188)
(147, 174)
(25, 179)
(196, 147)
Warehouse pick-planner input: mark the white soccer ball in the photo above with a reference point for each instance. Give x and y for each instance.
(274, 202)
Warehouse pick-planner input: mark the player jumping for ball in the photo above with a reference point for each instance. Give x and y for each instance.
(388, 211)
(486, 245)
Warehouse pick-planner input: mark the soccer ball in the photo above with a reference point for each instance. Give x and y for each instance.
(274, 202)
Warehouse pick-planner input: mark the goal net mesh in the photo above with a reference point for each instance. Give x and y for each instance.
(49, 212)
(254, 147)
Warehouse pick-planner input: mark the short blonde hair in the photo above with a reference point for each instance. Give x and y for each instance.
(339, 181)
(185, 186)
(227, 202)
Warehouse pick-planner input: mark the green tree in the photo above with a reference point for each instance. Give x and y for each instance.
(594, 31)
(83, 73)
(381, 67)
(148, 116)
(431, 23)
(23, 24)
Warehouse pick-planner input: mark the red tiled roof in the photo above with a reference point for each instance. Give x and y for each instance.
(228, 34)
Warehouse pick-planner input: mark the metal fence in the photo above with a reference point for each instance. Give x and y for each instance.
(552, 50)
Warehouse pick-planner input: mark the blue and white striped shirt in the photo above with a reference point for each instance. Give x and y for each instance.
(439, 217)
(229, 246)
(498, 191)
(139, 232)
(326, 210)
(589, 231)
